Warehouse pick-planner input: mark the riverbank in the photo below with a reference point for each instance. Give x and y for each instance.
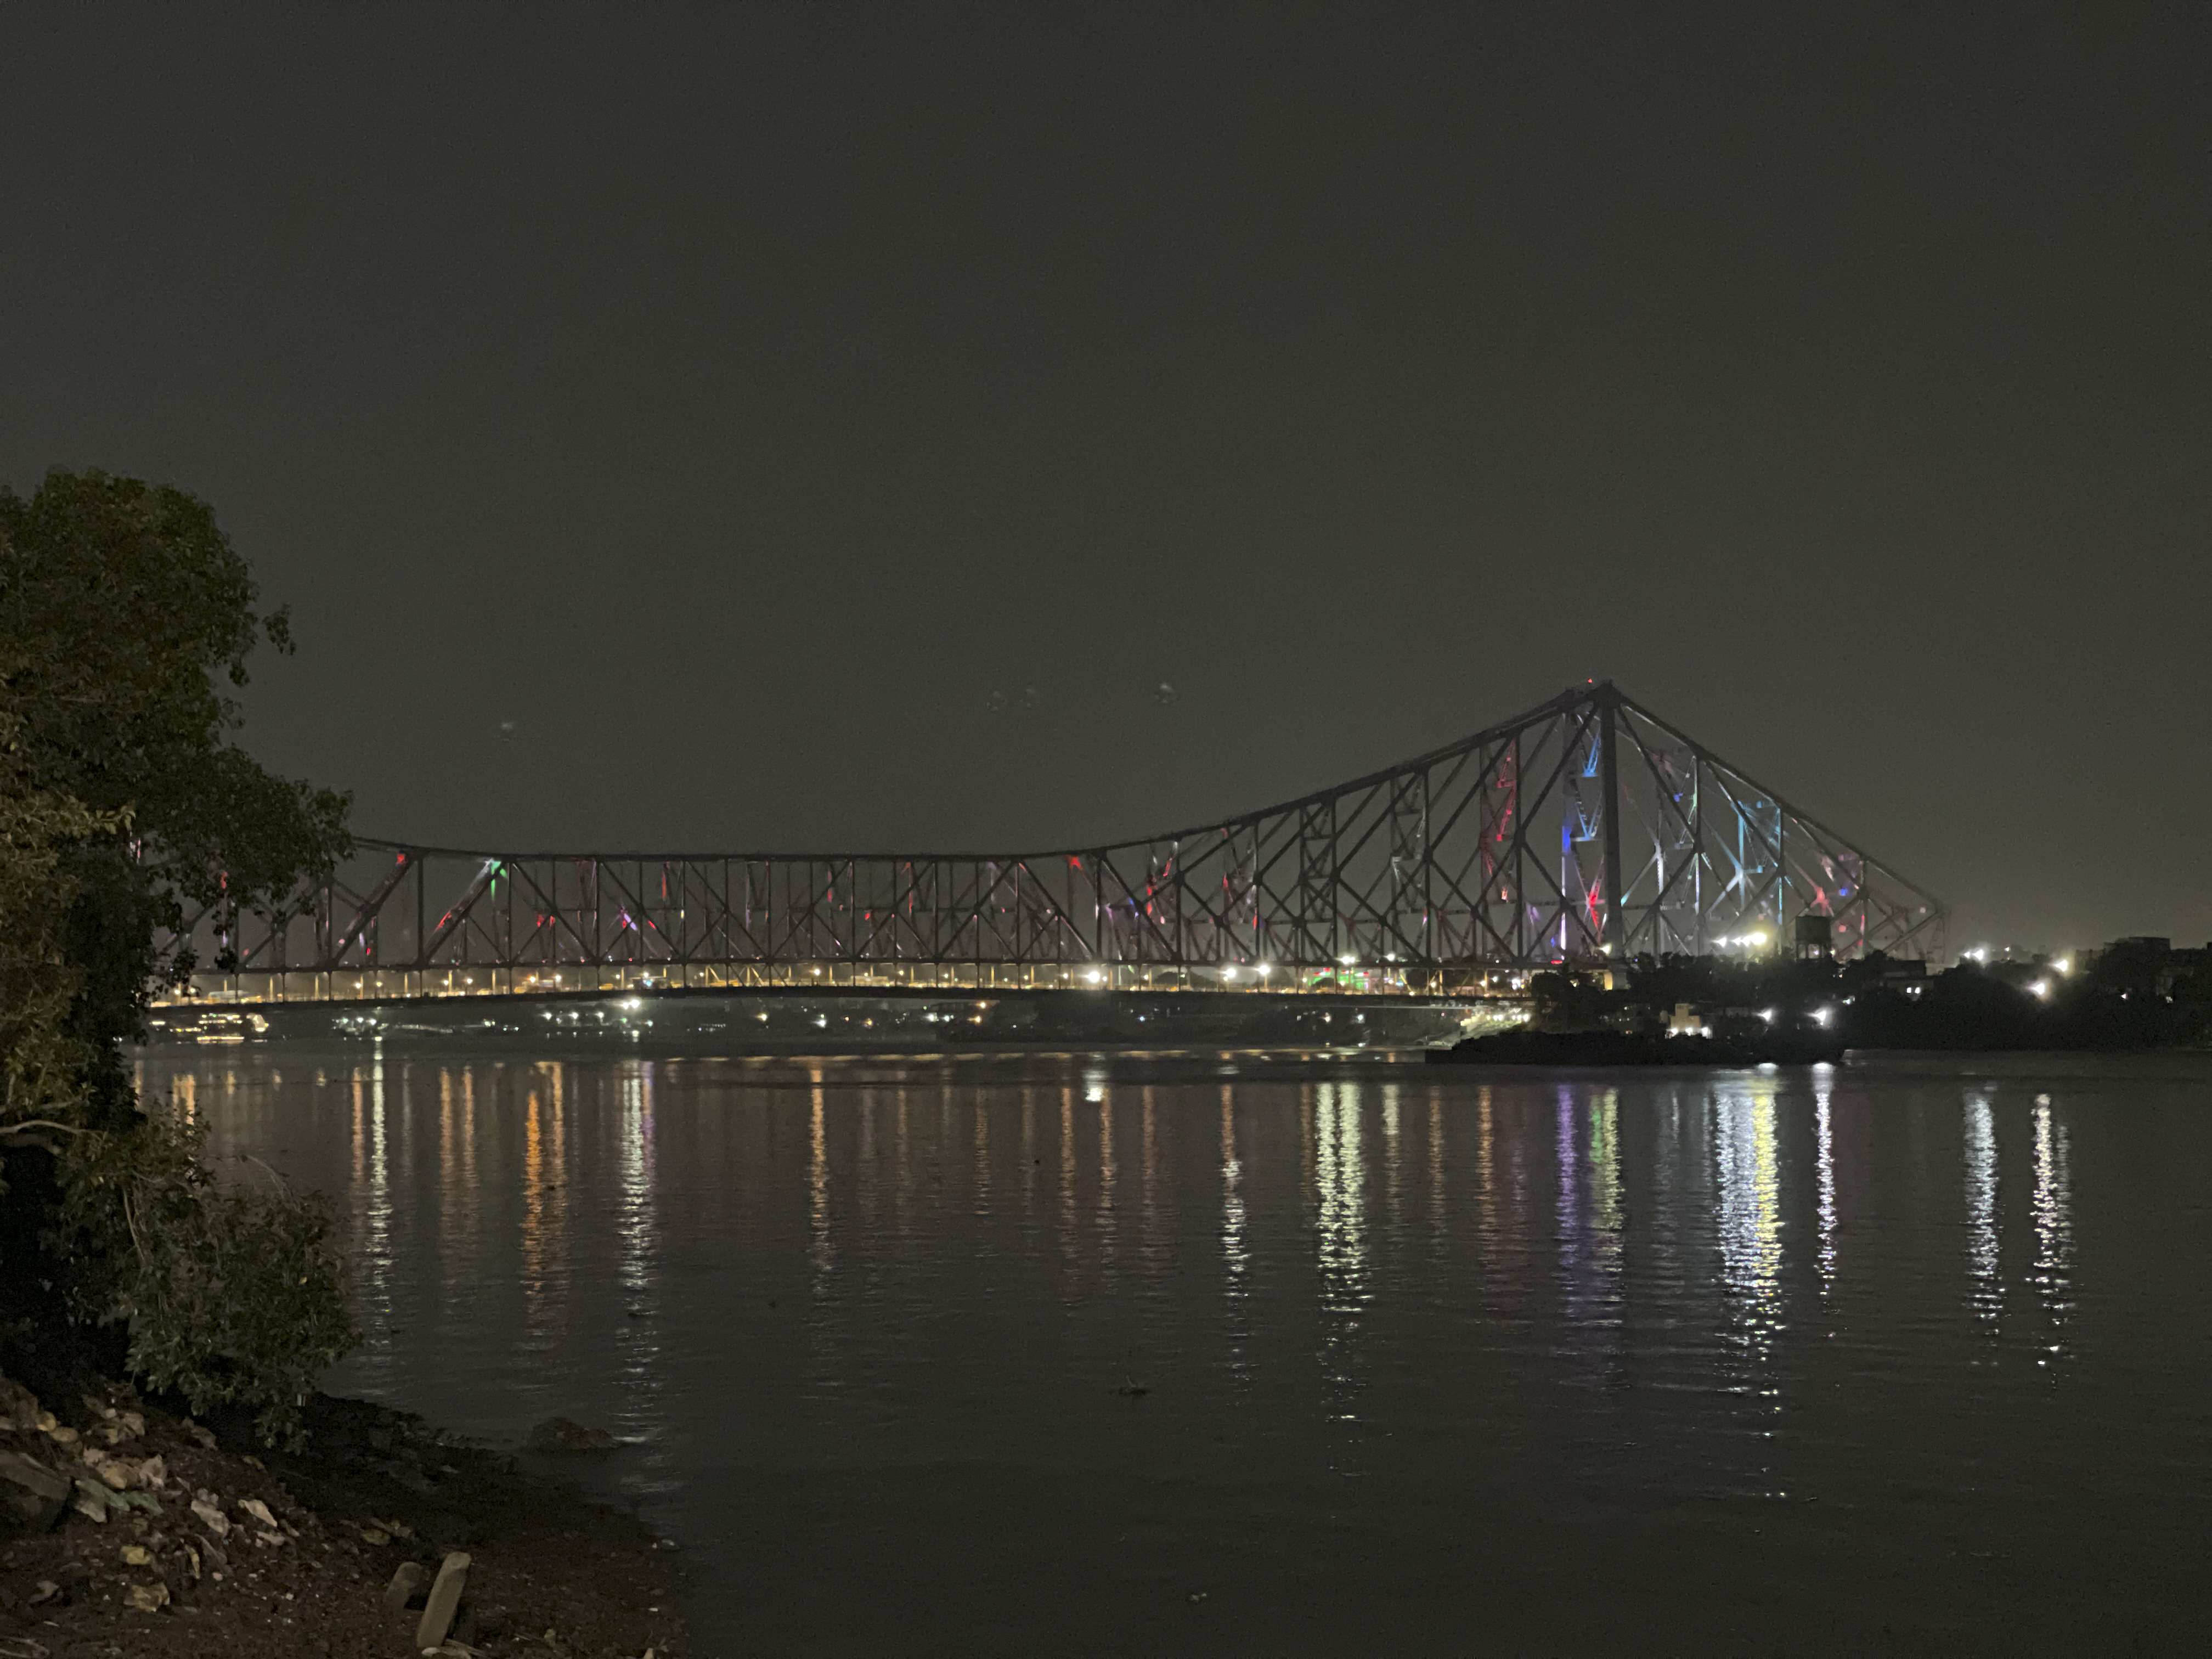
(1526, 1047)
(125, 1530)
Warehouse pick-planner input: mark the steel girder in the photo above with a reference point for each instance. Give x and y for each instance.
(1585, 829)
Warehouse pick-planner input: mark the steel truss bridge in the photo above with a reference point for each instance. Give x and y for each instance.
(1584, 831)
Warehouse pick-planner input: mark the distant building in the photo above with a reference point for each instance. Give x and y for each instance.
(2144, 964)
(1907, 976)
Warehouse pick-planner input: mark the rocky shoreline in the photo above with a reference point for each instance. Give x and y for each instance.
(129, 1530)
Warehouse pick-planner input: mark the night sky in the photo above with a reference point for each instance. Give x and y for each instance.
(735, 401)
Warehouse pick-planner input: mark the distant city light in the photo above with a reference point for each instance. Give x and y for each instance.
(2041, 988)
(2063, 965)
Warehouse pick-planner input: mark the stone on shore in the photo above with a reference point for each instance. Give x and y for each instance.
(410, 1576)
(558, 1434)
(445, 1601)
(32, 1495)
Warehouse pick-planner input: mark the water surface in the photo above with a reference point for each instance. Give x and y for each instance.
(1904, 1356)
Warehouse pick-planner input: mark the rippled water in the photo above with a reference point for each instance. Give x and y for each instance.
(1907, 1356)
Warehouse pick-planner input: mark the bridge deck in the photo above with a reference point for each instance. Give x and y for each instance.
(408, 984)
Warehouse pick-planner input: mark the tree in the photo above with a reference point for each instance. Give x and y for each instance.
(124, 808)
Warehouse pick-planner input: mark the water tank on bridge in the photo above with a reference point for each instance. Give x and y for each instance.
(1815, 938)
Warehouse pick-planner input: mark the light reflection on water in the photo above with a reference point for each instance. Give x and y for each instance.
(1750, 1178)
(1340, 1240)
(874, 1318)
(636, 1223)
(2053, 1223)
(1985, 1288)
(1824, 1126)
(1235, 1326)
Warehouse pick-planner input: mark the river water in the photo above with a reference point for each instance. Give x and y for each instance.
(1909, 1355)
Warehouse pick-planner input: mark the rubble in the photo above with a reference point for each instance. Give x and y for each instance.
(210, 1513)
(130, 1528)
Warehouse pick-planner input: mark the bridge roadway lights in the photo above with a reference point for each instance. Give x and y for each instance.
(407, 985)
(1584, 831)
(911, 1023)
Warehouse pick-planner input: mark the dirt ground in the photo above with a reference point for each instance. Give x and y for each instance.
(209, 1543)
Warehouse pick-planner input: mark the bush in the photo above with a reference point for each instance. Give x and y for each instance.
(232, 1296)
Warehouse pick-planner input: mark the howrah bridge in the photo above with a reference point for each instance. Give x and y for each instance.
(1583, 832)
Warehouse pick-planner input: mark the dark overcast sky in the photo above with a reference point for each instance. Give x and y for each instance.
(735, 400)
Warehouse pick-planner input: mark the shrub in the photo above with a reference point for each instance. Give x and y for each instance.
(233, 1296)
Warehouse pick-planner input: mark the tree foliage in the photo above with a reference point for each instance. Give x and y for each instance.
(126, 619)
(123, 613)
(44, 1063)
